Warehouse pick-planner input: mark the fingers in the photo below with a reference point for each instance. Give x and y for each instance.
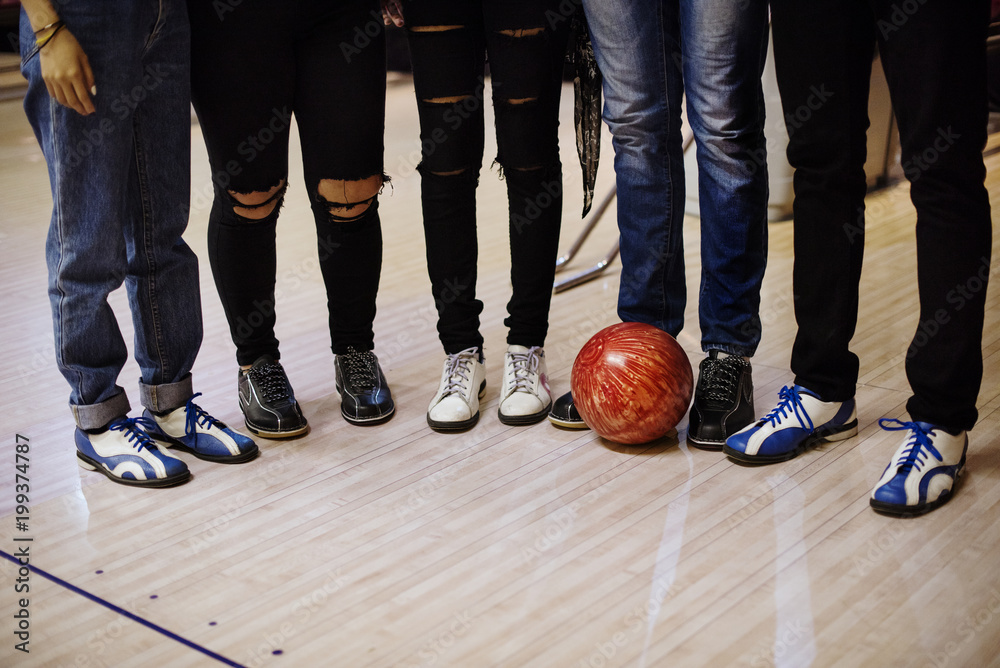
(81, 97)
(67, 73)
(392, 12)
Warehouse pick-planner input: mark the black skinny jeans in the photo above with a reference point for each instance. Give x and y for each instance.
(935, 62)
(525, 41)
(254, 66)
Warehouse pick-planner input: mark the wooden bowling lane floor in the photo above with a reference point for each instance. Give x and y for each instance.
(395, 546)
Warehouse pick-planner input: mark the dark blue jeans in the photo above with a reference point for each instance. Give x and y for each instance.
(120, 190)
(652, 52)
(935, 63)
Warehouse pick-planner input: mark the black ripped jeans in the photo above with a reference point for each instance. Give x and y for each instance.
(525, 41)
(254, 65)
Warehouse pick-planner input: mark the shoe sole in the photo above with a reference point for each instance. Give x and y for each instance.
(89, 464)
(567, 424)
(826, 436)
(276, 435)
(174, 444)
(524, 420)
(453, 426)
(368, 422)
(712, 446)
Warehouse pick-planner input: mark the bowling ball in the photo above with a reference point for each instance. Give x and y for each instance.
(632, 383)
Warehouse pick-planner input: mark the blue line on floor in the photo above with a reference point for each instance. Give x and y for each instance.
(121, 611)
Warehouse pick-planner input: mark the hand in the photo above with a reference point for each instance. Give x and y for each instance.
(392, 12)
(67, 74)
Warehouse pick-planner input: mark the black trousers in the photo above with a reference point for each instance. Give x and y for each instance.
(525, 41)
(934, 56)
(254, 66)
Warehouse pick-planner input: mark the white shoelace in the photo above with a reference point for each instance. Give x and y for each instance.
(525, 369)
(459, 366)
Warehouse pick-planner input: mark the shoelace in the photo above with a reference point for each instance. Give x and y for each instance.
(789, 401)
(196, 415)
(913, 454)
(525, 367)
(270, 379)
(360, 368)
(459, 366)
(720, 378)
(133, 428)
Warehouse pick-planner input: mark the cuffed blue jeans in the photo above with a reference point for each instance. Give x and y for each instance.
(651, 52)
(120, 190)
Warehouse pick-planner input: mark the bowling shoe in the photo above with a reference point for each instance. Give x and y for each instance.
(125, 454)
(565, 415)
(723, 400)
(191, 429)
(268, 401)
(525, 398)
(800, 420)
(923, 470)
(365, 398)
(463, 382)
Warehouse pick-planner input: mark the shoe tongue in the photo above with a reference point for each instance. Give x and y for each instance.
(517, 349)
(802, 390)
(263, 359)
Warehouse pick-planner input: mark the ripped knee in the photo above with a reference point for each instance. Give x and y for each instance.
(517, 33)
(347, 201)
(255, 206)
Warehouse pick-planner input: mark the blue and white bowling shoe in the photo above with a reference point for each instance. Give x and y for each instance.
(800, 420)
(126, 455)
(923, 470)
(190, 428)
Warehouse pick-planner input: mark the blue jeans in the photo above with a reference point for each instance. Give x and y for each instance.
(651, 52)
(120, 189)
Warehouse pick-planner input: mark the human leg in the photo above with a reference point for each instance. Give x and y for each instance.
(447, 51)
(724, 50)
(526, 47)
(823, 53)
(339, 104)
(247, 140)
(635, 43)
(935, 64)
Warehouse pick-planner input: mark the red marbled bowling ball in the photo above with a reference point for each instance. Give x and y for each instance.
(632, 383)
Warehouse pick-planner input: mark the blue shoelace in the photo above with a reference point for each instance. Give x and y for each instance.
(197, 415)
(789, 401)
(913, 454)
(133, 428)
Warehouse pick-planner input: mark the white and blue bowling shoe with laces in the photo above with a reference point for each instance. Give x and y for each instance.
(923, 470)
(799, 421)
(191, 429)
(125, 454)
